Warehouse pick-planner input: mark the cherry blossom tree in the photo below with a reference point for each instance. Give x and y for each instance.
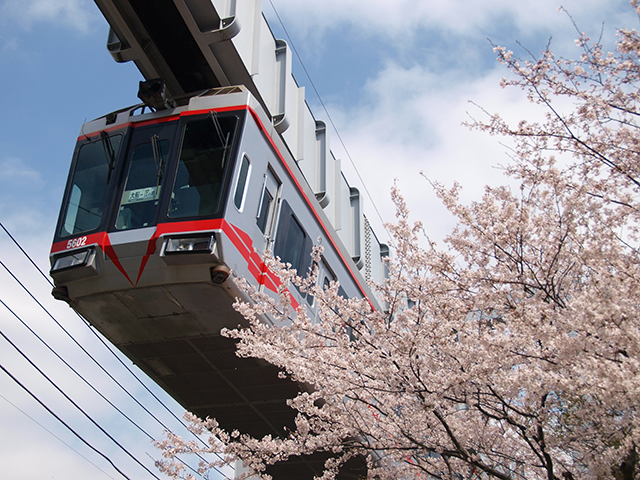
(512, 351)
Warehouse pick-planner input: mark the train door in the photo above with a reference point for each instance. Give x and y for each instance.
(267, 210)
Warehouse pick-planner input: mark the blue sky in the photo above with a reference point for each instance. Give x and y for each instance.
(396, 78)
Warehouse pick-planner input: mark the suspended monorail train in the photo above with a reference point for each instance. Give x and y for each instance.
(165, 206)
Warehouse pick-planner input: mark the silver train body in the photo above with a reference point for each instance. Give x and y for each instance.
(161, 211)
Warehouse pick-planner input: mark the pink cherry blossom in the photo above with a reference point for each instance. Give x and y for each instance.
(512, 351)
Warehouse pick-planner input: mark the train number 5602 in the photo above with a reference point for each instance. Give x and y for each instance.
(77, 242)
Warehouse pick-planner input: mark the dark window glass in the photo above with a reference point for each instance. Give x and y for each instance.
(144, 182)
(265, 208)
(88, 193)
(265, 217)
(292, 243)
(342, 293)
(242, 183)
(198, 184)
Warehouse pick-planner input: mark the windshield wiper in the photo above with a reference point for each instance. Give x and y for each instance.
(108, 151)
(158, 159)
(224, 140)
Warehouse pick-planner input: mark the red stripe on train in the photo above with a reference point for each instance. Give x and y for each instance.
(240, 239)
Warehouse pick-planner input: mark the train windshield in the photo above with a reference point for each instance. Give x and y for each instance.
(145, 177)
(158, 171)
(87, 199)
(199, 177)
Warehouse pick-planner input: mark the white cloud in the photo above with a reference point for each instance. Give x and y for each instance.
(76, 14)
(403, 22)
(407, 117)
(9, 45)
(461, 17)
(53, 455)
(410, 122)
(15, 170)
(21, 206)
(406, 120)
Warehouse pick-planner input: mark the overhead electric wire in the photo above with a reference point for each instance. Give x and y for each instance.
(84, 350)
(70, 400)
(17, 244)
(80, 375)
(62, 421)
(52, 434)
(326, 111)
(73, 369)
(98, 363)
(150, 392)
(115, 407)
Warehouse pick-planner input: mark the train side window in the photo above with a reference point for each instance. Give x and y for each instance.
(89, 186)
(241, 185)
(293, 245)
(266, 207)
(321, 272)
(327, 276)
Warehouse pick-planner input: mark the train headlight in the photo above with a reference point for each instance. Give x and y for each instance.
(74, 259)
(195, 244)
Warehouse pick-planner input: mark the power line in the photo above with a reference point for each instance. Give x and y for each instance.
(326, 111)
(25, 254)
(115, 407)
(70, 400)
(96, 362)
(62, 421)
(150, 392)
(73, 369)
(52, 434)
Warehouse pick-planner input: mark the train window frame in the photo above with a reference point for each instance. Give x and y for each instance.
(264, 208)
(308, 296)
(267, 213)
(75, 193)
(328, 276)
(242, 186)
(322, 267)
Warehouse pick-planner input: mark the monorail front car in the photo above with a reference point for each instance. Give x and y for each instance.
(161, 207)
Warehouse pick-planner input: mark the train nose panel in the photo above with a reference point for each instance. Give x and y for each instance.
(130, 250)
